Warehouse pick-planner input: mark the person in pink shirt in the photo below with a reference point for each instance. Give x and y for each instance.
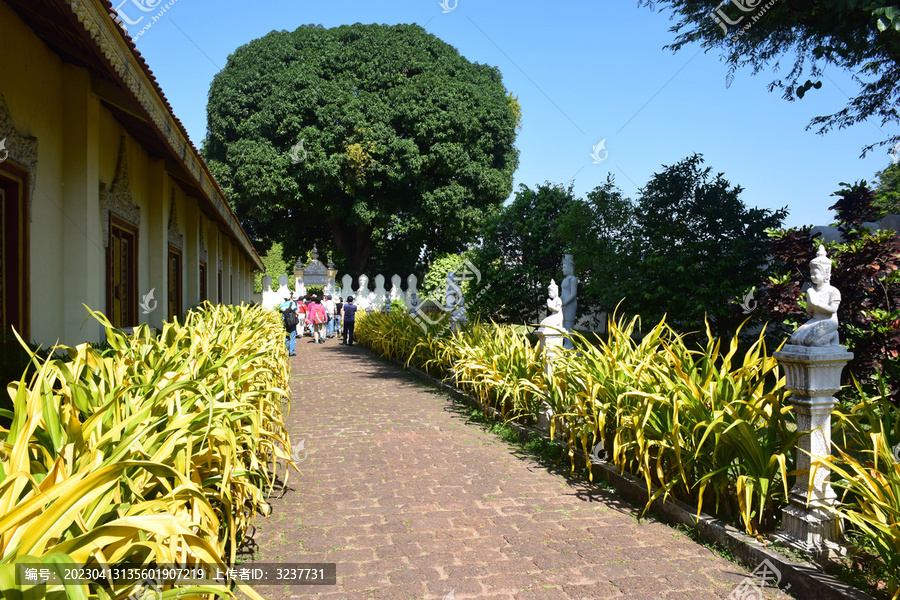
(301, 313)
(318, 318)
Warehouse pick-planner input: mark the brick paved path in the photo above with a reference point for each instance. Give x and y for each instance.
(412, 502)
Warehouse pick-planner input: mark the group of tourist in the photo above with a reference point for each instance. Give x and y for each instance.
(321, 318)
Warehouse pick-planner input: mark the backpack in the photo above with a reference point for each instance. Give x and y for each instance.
(290, 319)
(318, 314)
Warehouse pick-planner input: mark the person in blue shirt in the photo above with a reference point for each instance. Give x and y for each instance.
(291, 332)
(348, 315)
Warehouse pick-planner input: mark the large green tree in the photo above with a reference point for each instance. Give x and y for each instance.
(862, 38)
(382, 138)
(887, 190)
(695, 247)
(597, 232)
(521, 250)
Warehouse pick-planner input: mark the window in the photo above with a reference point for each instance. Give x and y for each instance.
(219, 299)
(121, 273)
(14, 251)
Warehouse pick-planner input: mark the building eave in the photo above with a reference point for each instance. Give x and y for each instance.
(85, 33)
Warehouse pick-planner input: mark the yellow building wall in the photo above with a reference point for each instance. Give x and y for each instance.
(33, 84)
(78, 148)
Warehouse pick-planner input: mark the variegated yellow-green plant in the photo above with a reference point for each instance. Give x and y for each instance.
(499, 367)
(585, 386)
(867, 466)
(701, 421)
(871, 500)
(697, 423)
(155, 451)
(392, 335)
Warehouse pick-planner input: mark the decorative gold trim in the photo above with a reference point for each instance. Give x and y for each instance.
(204, 253)
(117, 199)
(175, 237)
(108, 37)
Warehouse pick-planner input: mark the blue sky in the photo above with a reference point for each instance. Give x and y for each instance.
(583, 72)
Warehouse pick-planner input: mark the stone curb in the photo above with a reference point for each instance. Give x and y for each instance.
(806, 580)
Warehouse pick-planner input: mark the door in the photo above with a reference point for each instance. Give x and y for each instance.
(203, 281)
(121, 274)
(174, 283)
(13, 253)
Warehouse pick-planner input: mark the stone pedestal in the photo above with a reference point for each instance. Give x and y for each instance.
(550, 343)
(813, 374)
(330, 283)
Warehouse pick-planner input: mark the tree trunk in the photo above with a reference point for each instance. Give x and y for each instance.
(357, 245)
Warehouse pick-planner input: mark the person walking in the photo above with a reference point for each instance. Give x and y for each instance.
(301, 313)
(329, 316)
(338, 307)
(348, 314)
(296, 300)
(288, 310)
(309, 324)
(318, 317)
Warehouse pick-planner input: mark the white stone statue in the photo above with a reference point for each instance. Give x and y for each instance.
(569, 297)
(812, 364)
(454, 303)
(283, 291)
(270, 298)
(553, 322)
(822, 301)
(550, 336)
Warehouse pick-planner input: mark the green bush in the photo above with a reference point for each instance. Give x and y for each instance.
(156, 450)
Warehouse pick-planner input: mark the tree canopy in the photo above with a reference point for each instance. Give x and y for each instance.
(599, 230)
(695, 248)
(383, 139)
(860, 37)
(887, 190)
(521, 250)
(686, 249)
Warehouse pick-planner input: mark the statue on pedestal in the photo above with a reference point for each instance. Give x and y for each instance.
(812, 363)
(553, 322)
(550, 334)
(569, 297)
(822, 301)
(551, 331)
(454, 303)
